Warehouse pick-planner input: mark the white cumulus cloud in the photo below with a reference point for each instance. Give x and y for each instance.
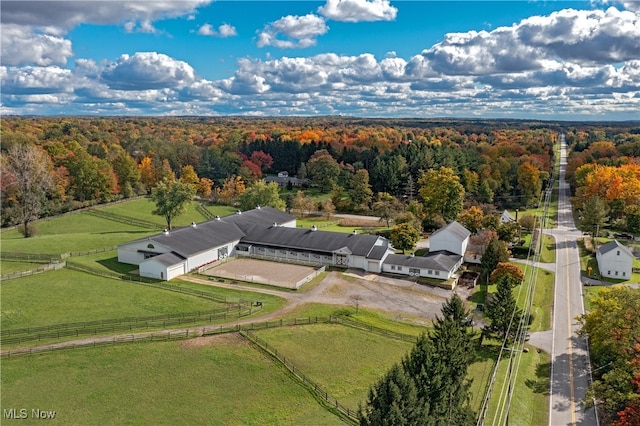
(580, 36)
(24, 45)
(293, 31)
(148, 70)
(224, 30)
(358, 10)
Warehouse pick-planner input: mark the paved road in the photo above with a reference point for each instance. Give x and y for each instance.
(570, 374)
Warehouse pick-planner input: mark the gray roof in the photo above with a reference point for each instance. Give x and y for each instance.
(168, 259)
(207, 235)
(613, 245)
(306, 239)
(258, 216)
(455, 229)
(507, 217)
(378, 252)
(204, 236)
(442, 260)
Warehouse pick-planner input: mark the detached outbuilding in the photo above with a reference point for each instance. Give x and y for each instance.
(453, 238)
(614, 260)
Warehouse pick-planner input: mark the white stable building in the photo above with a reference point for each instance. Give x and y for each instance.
(267, 233)
(615, 260)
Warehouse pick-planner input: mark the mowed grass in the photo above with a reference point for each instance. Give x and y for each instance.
(530, 400)
(70, 296)
(225, 382)
(342, 360)
(10, 266)
(142, 208)
(334, 225)
(81, 231)
(542, 295)
(72, 233)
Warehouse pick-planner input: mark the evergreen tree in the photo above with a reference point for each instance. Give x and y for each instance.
(429, 387)
(394, 401)
(495, 253)
(453, 353)
(501, 308)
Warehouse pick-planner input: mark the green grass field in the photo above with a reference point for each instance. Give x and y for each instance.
(343, 360)
(69, 296)
(81, 231)
(530, 400)
(72, 233)
(225, 382)
(542, 295)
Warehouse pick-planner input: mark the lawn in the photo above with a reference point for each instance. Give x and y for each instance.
(141, 208)
(222, 381)
(72, 233)
(70, 296)
(530, 400)
(334, 225)
(81, 231)
(542, 295)
(10, 266)
(342, 360)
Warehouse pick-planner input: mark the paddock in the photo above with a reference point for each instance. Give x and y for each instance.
(278, 274)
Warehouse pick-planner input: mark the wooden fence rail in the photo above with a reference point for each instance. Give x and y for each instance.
(351, 414)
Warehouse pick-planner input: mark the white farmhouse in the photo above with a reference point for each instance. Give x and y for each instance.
(614, 260)
(453, 238)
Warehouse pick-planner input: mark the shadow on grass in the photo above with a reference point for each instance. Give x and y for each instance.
(479, 295)
(113, 265)
(541, 383)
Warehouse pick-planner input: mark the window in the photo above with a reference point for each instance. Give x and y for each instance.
(618, 253)
(399, 268)
(393, 267)
(608, 272)
(624, 274)
(616, 273)
(151, 246)
(437, 273)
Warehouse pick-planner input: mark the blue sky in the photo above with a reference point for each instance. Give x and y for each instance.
(379, 58)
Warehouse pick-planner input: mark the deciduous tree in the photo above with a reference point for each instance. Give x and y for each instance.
(442, 193)
(171, 198)
(323, 170)
(613, 328)
(507, 269)
(471, 219)
(404, 237)
(529, 183)
(261, 194)
(30, 171)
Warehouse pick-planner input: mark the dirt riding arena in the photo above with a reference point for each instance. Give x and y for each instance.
(263, 272)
